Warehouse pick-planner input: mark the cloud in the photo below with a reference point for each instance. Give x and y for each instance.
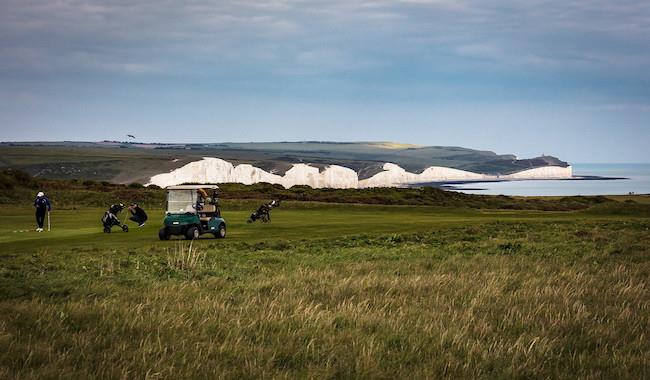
(481, 50)
(623, 107)
(372, 42)
(327, 60)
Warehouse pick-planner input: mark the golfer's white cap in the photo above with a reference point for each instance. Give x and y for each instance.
(40, 194)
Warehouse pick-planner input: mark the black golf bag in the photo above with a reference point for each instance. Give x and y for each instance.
(110, 218)
(263, 213)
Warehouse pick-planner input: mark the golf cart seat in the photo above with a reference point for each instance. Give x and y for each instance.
(207, 212)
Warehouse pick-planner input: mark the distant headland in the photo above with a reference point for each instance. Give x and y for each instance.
(311, 163)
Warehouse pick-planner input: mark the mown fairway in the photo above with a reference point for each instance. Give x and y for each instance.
(295, 220)
(330, 291)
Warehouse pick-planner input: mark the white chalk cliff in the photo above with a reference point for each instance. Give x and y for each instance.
(215, 170)
(544, 172)
(394, 176)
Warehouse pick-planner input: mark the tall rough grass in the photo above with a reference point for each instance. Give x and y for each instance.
(492, 301)
(185, 257)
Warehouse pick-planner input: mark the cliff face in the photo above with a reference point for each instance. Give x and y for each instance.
(215, 170)
(394, 175)
(546, 172)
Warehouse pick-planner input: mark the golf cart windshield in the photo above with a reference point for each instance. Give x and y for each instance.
(181, 201)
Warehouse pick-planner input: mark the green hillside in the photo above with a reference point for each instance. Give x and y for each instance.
(123, 162)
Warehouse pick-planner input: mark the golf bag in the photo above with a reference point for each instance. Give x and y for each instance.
(110, 218)
(263, 213)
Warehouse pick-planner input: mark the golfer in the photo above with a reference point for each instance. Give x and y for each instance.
(138, 214)
(42, 205)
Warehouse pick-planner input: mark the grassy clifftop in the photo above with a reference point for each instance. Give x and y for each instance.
(17, 187)
(132, 162)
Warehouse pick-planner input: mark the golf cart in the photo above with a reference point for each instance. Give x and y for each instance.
(192, 213)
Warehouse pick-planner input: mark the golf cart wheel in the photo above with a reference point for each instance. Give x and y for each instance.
(221, 232)
(107, 230)
(162, 234)
(192, 233)
(125, 228)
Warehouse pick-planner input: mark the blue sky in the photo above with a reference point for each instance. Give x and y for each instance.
(568, 78)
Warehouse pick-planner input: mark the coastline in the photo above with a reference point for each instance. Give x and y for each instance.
(587, 180)
(452, 185)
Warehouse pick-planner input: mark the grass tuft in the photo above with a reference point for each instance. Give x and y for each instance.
(186, 258)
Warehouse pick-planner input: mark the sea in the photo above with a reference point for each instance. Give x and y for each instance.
(630, 178)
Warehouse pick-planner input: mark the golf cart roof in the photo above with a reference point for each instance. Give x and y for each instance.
(192, 187)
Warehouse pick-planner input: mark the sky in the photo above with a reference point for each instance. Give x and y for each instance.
(568, 78)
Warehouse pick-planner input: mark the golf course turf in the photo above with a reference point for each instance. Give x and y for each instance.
(330, 291)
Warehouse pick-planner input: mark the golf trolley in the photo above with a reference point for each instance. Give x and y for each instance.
(110, 218)
(263, 213)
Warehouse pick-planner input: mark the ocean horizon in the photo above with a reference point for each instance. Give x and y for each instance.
(636, 180)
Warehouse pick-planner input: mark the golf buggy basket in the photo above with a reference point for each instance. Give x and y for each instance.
(191, 212)
(110, 218)
(263, 213)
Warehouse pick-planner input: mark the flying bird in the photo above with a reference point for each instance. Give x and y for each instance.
(131, 136)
